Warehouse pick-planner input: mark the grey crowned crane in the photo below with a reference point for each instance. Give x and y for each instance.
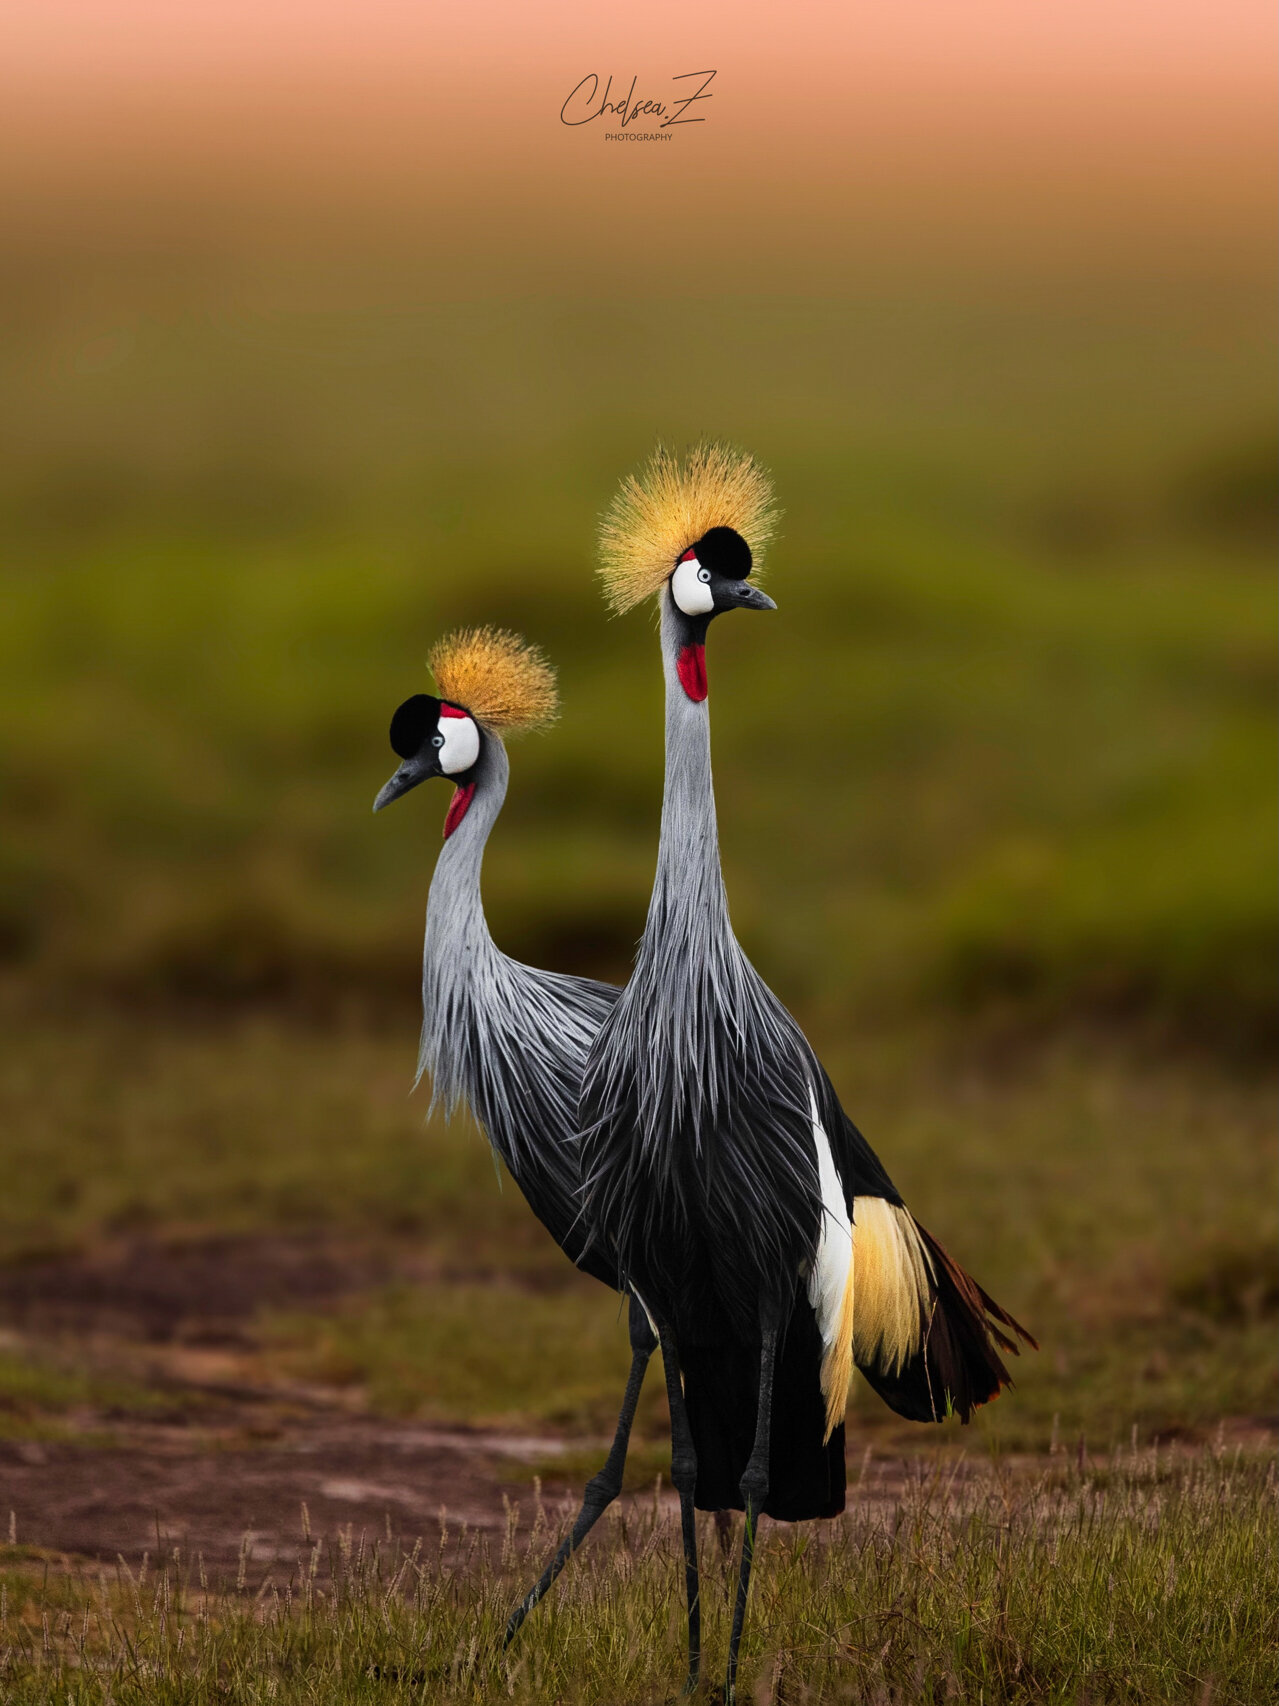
(508, 1039)
(721, 1176)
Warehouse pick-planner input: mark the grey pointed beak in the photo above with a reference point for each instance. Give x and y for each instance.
(751, 598)
(410, 773)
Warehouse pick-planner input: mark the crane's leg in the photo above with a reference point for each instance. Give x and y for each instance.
(603, 1488)
(754, 1485)
(684, 1477)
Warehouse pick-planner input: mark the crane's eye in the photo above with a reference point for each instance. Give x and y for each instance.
(704, 575)
(437, 740)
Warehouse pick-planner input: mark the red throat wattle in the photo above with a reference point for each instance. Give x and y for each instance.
(462, 797)
(692, 672)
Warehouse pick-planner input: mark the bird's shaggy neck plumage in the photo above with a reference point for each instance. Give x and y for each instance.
(689, 960)
(509, 1040)
(699, 1166)
(460, 961)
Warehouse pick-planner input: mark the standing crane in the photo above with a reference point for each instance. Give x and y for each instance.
(720, 1173)
(508, 1039)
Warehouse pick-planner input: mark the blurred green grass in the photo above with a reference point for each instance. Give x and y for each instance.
(1025, 625)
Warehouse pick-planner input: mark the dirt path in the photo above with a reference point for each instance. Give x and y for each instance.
(155, 1487)
(235, 1497)
(223, 1469)
(219, 1465)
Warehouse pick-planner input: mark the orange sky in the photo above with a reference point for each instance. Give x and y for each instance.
(940, 111)
(1096, 40)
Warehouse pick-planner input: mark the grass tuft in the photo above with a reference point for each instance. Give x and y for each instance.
(1151, 1577)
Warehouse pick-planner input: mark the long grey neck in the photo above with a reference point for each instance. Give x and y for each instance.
(458, 948)
(689, 906)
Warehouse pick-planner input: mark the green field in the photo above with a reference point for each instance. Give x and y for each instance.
(1025, 623)
(1125, 1212)
(996, 805)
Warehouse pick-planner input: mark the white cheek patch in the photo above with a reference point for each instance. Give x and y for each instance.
(461, 745)
(692, 594)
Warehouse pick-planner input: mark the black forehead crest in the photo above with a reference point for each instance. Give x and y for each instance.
(412, 723)
(724, 551)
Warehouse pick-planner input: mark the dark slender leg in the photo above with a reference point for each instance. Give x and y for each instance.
(684, 1477)
(754, 1485)
(603, 1488)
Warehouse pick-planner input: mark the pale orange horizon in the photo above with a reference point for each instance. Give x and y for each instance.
(983, 39)
(1000, 112)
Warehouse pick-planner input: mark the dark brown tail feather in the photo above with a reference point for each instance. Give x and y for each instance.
(958, 1366)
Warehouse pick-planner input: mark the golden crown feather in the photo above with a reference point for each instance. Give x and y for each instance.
(503, 681)
(669, 505)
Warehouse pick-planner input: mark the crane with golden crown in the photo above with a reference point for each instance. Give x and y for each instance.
(721, 1177)
(508, 1039)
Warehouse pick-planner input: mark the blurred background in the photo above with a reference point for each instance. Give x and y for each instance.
(316, 342)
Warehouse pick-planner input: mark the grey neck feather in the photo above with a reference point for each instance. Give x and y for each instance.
(693, 988)
(459, 955)
(696, 1104)
(689, 906)
(508, 1039)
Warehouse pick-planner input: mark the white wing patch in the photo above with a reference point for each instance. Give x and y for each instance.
(830, 1282)
(828, 1279)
